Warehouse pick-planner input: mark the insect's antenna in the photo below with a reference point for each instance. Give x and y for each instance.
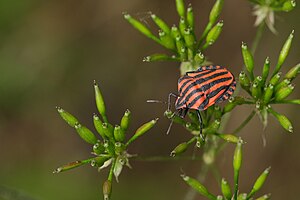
(155, 101)
(171, 123)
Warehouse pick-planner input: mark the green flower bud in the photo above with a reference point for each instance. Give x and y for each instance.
(190, 17)
(244, 81)
(71, 165)
(99, 161)
(265, 197)
(248, 60)
(266, 70)
(189, 38)
(237, 162)
(226, 191)
(284, 92)
(107, 189)
(119, 148)
(85, 134)
(229, 138)
(199, 58)
(288, 5)
(141, 130)
(98, 148)
(259, 183)
(198, 187)
(100, 102)
(108, 130)
(274, 80)
(283, 120)
(159, 57)
(141, 28)
(125, 121)
(284, 52)
(216, 11)
(161, 24)
(268, 93)
(256, 90)
(70, 119)
(119, 134)
(98, 125)
(293, 72)
(175, 32)
(109, 147)
(166, 40)
(180, 8)
(282, 84)
(179, 149)
(182, 25)
(213, 34)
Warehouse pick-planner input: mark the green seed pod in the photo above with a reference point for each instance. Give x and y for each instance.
(180, 8)
(71, 165)
(98, 148)
(217, 112)
(160, 57)
(125, 121)
(107, 189)
(284, 52)
(265, 197)
(199, 58)
(237, 162)
(229, 106)
(229, 138)
(288, 5)
(179, 43)
(85, 134)
(268, 93)
(198, 187)
(283, 120)
(182, 25)
(175, 32)
(98, 125)
(282, 84)
(256, 90)
(141, 28)
(284, 92)
(100, 102)
(213, 127)
(108, 130)
(183, 53)
(226, 191)
(189, 38)
(191, 127)
(274, 80)
(190, 17)
(175, 118)
(293, 72)
(248, 60)
(70, 119)
(259, 183)
(193, 116)
(215, 11)
(190, 54)
(244, 81)
(242, 196)
(109, 147)
(99, 161)
(266, 70)
(161, 24)
(141, 130)
(213, 34)
(119, 134)
(179, 149)
(119, 148)
(167, 40)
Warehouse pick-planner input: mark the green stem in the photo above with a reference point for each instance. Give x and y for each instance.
(111, 171)
(166, 158)
(257, 38)
(244, 123)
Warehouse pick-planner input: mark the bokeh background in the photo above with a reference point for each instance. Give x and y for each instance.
(52, 50)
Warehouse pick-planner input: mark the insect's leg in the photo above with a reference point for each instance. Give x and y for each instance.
(201, 125)
(169, 99)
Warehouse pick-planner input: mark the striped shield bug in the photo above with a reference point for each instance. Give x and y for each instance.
(200, 89)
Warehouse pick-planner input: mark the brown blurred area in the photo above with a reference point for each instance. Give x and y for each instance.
(50, 53)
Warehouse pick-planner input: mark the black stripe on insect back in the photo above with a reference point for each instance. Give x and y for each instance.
(202, 89)
(199, 81)
(198, 76)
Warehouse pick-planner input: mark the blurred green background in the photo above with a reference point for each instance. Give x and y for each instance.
(52, 50)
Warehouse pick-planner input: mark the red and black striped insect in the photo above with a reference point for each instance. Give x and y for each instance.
(200, 89)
